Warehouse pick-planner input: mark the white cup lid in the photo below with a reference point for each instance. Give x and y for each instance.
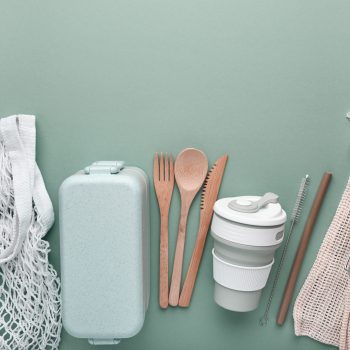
(271, 214)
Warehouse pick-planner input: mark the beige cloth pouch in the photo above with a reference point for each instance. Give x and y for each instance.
(322, 308)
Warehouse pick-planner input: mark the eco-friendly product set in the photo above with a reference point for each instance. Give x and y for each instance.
(105, 248)
(247, 230)
(190, 172)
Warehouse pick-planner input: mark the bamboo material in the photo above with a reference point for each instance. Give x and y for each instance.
(293, 276)
(209, 196)
(191, 167)
(163, 177)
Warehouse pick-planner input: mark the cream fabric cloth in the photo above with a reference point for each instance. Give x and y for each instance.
(321, 310)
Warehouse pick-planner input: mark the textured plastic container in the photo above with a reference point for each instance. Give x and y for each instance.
(244, 248)
(104, 238)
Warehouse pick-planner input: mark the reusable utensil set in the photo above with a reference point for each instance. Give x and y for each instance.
(191, 167)
(190, 172)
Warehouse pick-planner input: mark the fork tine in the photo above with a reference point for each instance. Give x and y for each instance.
(171, 170)
(166, 170)
(156, 167)
(161, 167)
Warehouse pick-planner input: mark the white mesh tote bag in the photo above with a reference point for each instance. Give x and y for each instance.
(321, 310)
(30, 312)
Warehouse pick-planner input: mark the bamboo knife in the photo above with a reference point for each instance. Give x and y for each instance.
(209, 195)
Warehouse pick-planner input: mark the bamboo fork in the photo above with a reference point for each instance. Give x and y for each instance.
(163, 178)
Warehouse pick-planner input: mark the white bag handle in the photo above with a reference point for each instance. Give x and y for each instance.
(18, 134)
(40, 196)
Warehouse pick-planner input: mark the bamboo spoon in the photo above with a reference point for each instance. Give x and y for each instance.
(191, 167)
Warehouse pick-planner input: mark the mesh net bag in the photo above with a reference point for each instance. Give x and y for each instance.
(321, 310)
(30, 312)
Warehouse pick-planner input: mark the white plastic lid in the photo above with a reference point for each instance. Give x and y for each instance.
(271, 214)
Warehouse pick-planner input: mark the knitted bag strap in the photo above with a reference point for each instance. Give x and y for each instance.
(43, 204)
(22, 186)
(18, 134)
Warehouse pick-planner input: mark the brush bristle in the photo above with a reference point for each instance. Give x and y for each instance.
(300, 198)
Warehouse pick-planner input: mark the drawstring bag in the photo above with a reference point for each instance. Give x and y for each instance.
(30, 312)
(322, 308)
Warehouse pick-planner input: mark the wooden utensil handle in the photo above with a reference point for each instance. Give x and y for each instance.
(164, 262)
(293, 276)
(179, 253)
(191, 276)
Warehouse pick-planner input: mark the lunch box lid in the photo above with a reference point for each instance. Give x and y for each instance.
(270, 214)
(104, 238)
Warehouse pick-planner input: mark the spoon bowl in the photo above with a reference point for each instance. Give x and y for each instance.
(191, 168)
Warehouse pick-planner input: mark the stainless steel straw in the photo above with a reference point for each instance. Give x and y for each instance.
(293, 220)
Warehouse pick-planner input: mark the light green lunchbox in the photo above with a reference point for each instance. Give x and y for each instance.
(105, 257)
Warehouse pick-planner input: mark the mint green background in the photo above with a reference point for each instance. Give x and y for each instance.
(266, 81)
